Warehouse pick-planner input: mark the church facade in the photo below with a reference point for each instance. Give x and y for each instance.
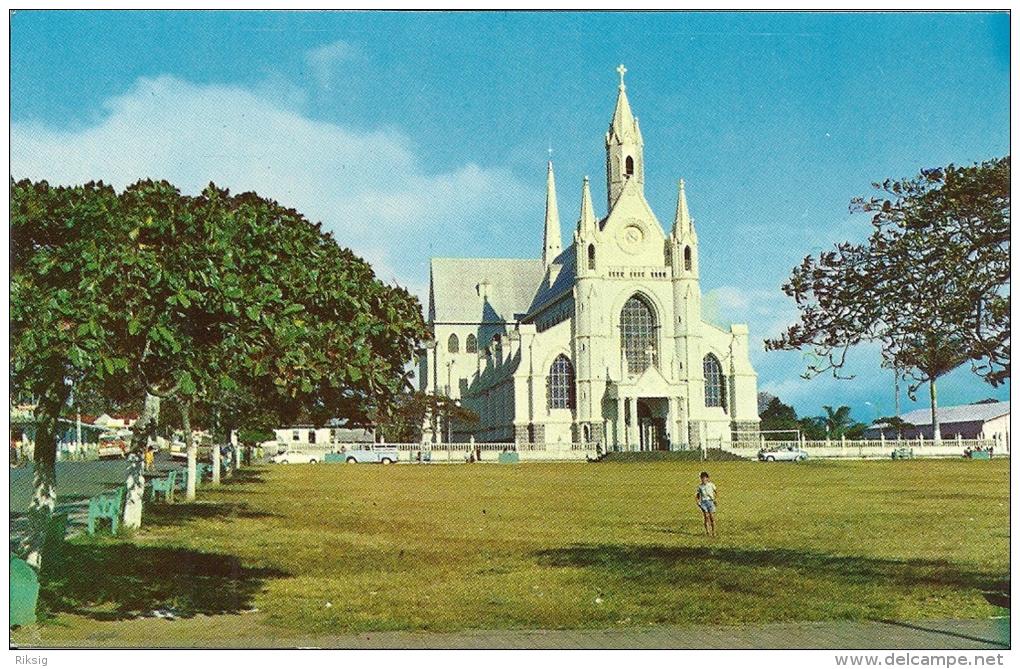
(602, 342)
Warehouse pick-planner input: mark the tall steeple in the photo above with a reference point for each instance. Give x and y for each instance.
(624, 161)
(553, 239)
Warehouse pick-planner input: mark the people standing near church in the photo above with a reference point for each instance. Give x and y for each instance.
(150, 460)
(706, 498)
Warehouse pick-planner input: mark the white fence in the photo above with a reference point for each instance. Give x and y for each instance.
(869, 449)
(845, 449)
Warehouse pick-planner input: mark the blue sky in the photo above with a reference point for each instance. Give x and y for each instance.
(413, 135)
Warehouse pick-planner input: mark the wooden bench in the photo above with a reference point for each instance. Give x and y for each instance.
(980, 455)
(509, 457)
(107, 505)
(903, 454)
(165, 485)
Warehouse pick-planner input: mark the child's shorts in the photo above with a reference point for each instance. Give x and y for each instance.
(707, 505)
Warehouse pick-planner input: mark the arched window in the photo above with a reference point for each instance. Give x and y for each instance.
(453, 344)
(630, 166)
(687, 258)
(715, 383)
(561, 383)
(637, 335)
(471, 344)
(591, 256)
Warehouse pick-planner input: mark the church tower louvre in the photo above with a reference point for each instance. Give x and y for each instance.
(624, 162)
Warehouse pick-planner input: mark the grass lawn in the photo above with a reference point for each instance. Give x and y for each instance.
(324, 549)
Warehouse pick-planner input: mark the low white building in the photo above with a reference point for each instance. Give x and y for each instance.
(970, 421)
(301, 436)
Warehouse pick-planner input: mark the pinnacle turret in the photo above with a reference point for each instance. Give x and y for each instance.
(553, 239)
(586, 223)
(683, 224)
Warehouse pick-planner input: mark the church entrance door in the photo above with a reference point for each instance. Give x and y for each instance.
(651, 427)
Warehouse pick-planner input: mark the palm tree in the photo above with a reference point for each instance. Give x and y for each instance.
(837, 422)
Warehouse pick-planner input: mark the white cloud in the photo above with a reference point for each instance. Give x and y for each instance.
(325, 60)
(367, 187)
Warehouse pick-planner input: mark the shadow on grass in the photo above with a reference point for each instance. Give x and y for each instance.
(113, 581)
(244, 476)
(179, 513)
(661, 562)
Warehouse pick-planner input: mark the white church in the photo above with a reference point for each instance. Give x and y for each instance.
(599, 343)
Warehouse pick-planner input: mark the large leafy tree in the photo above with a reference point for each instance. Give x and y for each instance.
(931, 285)
(63, 280)
(231, 302)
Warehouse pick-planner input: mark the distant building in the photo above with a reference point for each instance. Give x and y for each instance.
(970, 421)
(306, 435)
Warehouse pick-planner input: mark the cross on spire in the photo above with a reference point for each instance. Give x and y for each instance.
(622, 70)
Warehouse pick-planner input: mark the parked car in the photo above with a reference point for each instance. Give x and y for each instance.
(298, 457)
(370, 453)
(113, 446)
(788, 453)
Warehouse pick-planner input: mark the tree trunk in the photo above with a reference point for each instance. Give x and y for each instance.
(44, 478)
(215, 463)
(216, 456)
(936, 431)
(192, 450)
(135, 481)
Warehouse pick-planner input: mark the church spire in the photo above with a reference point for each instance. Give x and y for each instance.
(624, 127)
(624, 162)
(586, 223)
(683, 224)
(553, 240)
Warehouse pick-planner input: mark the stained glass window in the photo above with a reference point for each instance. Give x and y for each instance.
(637, 335)
(561, 384)
(715, 383)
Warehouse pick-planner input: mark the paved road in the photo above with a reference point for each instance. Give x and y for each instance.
(248, 631)
(76, 482)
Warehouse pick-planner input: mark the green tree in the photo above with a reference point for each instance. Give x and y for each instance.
(231, 302)
(779, 418)
(61, 315)
(415, 410)
(931, 285)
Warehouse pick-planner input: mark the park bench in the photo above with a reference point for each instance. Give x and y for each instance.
(333, 458)
(980, 455)
(164, 485)
(24, 592)
(107, 505)
(903, 454)
(509, 457)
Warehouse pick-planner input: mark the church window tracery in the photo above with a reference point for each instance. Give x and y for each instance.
(453, 344)
(637, 335)
(471, 344)
(561, 384)
(715, 383)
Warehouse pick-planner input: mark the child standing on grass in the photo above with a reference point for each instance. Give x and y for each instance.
(706, 498)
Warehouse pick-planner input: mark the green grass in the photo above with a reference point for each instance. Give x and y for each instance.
(323, 549)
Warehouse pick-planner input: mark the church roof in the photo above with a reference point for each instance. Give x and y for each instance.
(563, 282)
(483, 290)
